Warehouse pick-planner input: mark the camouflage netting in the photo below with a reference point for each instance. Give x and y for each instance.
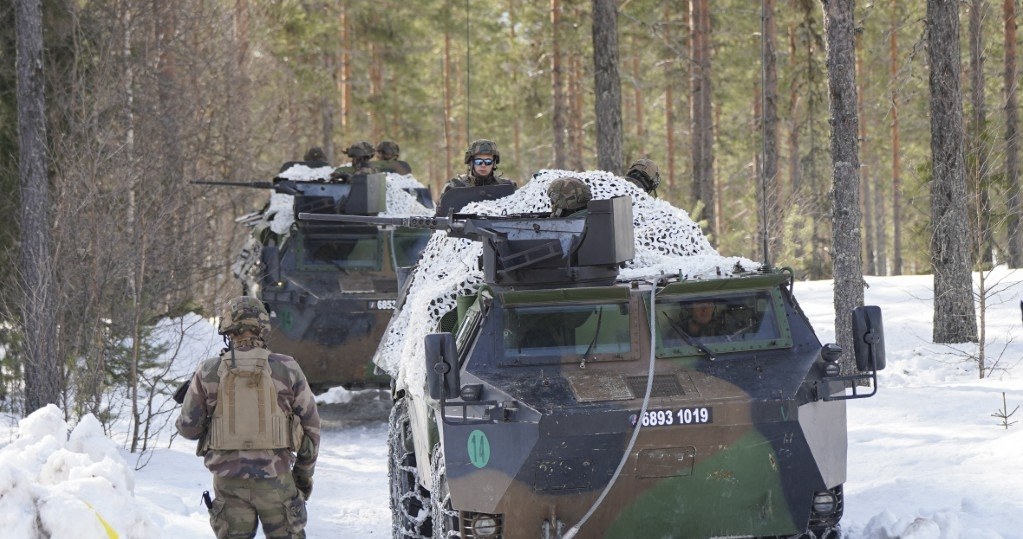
(281, 215)
(668, 242)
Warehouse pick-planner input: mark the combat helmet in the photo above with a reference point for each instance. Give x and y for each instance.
(482, 146)
(388, 149)
(360, 149)
(568, 194)
(315, 154)
(645, 174)
(244, 313)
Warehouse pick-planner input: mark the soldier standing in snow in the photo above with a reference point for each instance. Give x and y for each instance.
(258, 427)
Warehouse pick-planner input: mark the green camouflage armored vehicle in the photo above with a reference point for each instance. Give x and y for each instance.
(561, 390)
(331, 287)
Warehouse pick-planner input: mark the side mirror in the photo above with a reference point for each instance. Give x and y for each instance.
(442, 365)
(868, 338)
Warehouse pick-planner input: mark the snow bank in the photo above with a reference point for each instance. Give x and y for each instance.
(57, 485)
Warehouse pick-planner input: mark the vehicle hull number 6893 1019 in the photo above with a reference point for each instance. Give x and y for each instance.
(699, 415)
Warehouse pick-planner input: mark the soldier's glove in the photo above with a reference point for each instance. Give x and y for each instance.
(303, 482)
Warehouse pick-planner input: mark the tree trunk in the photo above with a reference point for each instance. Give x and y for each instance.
(771, 211)
(896, 153)
(637, 99)
(448, 137)
(702, 119)
(670, 79)
(42, 372)
(607, 86)
(1012, 181)
(954, 315)
(575, 129)
(346, 71)
(978, 165)
(839, 27)
(557, 87)
(866, 187)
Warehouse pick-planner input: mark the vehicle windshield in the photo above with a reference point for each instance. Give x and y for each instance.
(737, 321)
(408, 244)
(555, 333)
(352, 249)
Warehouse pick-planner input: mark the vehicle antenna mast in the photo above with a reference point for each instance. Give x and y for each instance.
(468, 74)
(763, 133)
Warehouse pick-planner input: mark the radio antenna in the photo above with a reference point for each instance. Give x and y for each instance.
(468, 74)
(763, 132)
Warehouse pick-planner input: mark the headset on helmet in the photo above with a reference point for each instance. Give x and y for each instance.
(244, 313)
(646, 173)
(482, 146)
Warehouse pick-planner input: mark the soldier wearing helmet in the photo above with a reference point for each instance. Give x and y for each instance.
(258, 472)
(360, 152)
(482, 158)
(645, 175)
(569, 196)
(314, 158)
(387, 159)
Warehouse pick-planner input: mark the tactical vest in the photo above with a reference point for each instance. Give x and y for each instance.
(247, 415)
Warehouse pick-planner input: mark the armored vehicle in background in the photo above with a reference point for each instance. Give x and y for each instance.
(561, 395)
(331, 287)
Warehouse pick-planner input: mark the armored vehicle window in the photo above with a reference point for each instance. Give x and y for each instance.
(408, 244)
(556, 333)
(723, 323)
(351, 248)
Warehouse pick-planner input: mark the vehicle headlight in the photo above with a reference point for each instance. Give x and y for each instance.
(484, 526)
(824, 503)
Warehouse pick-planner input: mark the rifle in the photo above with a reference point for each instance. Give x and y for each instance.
(281, 185)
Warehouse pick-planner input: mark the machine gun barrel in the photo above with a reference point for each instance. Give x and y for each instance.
(413, 221)
(279, 185)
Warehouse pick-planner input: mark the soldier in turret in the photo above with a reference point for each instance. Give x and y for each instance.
(387, 159)
(482, 157)
(360, 152)
(258, 427)
(569, 196)
(643, 173)
(313, 158)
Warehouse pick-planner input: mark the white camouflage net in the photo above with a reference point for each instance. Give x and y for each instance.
(668, 242)
(281, 212)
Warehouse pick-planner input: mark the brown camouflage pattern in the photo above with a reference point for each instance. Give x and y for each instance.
(294, 397)
(568, 195)
(240, 503)
(472, 180)
(392, 165)
(482, 146)
(388, 150)
(244, 313)
(645, 174)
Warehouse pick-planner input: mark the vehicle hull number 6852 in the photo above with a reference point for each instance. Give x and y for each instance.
(699, 415)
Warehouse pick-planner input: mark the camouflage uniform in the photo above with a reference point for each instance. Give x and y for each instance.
(643, 173)
(470, 179)
(569, 196)
(360, 152)
(269, 484)
(387, 153)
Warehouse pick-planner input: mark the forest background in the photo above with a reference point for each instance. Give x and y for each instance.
(144, 96)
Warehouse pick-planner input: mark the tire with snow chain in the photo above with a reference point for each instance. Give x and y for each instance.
(410, 503)
(445, 519)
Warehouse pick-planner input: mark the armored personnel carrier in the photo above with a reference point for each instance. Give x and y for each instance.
(331, 287)
(610, 375)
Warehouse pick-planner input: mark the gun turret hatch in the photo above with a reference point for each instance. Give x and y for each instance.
(534, 251)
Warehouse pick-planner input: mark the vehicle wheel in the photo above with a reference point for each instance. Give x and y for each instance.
(409, 501)
(445, 518)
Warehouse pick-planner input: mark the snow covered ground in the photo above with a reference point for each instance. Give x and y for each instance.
(927, 459)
